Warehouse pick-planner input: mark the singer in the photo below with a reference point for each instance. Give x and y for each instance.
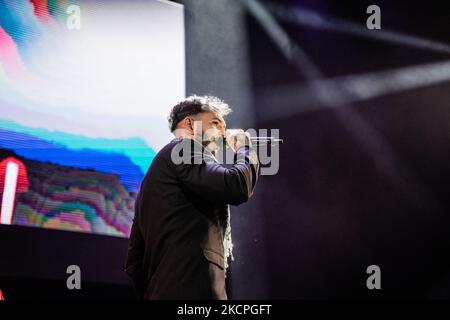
(181, 235)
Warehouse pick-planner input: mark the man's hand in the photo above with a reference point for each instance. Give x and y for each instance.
(237, 138)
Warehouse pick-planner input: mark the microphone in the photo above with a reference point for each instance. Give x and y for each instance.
(263, 141)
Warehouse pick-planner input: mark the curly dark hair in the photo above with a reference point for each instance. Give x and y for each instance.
(193, 105)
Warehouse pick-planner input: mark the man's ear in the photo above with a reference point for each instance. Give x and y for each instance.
(190, 123)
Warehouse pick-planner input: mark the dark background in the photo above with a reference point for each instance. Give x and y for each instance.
(360, 184)
(365, 184)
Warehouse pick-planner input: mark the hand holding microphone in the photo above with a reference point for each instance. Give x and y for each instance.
(237, 138)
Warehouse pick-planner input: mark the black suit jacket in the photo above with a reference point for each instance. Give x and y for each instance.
(176, 248)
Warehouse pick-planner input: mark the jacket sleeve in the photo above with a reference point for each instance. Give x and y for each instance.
(217, 183)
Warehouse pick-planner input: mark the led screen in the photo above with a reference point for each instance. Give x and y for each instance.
(85, 89)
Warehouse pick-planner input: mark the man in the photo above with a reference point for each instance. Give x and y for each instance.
(180, 238)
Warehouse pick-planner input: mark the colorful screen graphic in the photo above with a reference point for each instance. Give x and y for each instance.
(85, 90)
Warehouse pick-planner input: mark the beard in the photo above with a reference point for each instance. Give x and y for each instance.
(213, 141)
(212, 146)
